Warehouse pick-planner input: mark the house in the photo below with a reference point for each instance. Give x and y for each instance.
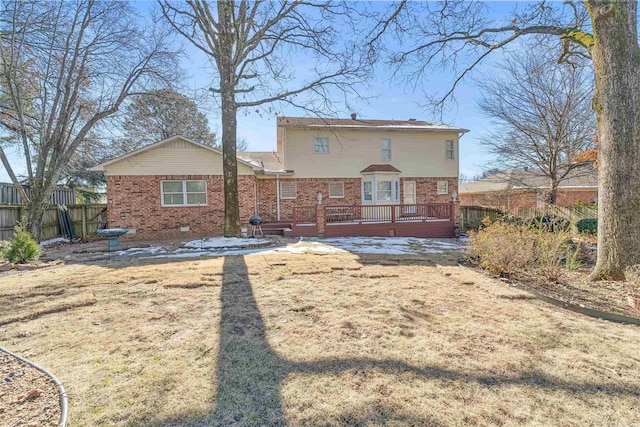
(515, 189)
(372, 177)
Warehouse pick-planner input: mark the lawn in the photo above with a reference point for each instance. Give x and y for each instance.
(331, 338)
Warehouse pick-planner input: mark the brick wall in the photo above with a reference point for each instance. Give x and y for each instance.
(135, 202)
(308, 188)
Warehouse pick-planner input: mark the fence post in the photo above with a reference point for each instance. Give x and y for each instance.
(85, 232)
(320, 219)
(393, 214)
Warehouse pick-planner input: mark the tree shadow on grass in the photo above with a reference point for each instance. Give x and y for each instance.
(250, 374)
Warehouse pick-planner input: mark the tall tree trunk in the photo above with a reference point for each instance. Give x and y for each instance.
(616, 60)
(227, 68)
(230, 163)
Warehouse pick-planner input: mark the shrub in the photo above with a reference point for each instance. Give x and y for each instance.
(4, 247)
(502, 248)
(587, 226)
(22, 248)
(553, 253)
(554, 224)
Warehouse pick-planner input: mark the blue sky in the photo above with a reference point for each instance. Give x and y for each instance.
(391, 101)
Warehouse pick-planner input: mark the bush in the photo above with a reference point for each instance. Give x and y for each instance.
(4, 247)
(508, 249)
(587, 226)
(22, 248)
(502, 248)
(553, 253)
(554, 224)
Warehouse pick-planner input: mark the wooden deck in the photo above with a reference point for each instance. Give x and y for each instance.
(427, 220)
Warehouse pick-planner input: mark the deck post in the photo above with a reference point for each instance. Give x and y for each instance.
(321, 219)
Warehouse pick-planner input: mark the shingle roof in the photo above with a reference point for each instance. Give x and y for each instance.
(270, 161)
(582, 177)
(313, 122)
(379, 168)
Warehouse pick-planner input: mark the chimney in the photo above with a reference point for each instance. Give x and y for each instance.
(353, 116)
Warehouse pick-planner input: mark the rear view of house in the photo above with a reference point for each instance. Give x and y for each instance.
(327, 176)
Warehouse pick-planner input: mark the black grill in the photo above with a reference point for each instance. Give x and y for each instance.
(255, 220)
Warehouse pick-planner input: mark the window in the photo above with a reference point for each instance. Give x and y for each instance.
(336, 190)
(387, 191)
(184, 193)
(367, 191)
(386, 149)
(321, 145)
(288, 190)
(449, 150)
(442, 187)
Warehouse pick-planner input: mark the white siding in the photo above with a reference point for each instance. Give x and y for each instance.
(175, 158)
(416, 154)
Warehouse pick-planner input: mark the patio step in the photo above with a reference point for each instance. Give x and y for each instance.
(275, 228)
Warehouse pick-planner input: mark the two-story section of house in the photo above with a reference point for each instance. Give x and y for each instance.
(349, 162)
(350, 174)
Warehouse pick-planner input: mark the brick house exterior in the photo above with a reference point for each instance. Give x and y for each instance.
(175, 187)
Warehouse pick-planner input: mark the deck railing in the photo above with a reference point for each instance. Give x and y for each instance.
(363, 214)
(304, 215)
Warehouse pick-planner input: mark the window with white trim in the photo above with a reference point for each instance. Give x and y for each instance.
(387, 191)
(386, 149)
(367, 191)
(321, 145)
(449, 150)
(184, 192)
(442, 187)
(336, 190)
(288, 190)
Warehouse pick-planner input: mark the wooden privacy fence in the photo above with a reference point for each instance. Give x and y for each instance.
(10, 195)
(86, 220)
(472, 216)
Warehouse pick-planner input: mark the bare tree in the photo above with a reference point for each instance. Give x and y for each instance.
(64, 68)
(253, 48)
(462, 34)
(161, 114)
(542, 117)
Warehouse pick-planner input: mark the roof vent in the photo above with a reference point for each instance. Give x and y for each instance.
(353, 116)
(412, 120)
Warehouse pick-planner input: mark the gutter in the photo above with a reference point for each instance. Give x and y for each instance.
(64, 405)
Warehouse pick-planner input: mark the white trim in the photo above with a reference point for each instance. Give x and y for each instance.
(383, 149)
(100, 167)
(336, 182)
(295, 189)
(446, 187)
(316, 139)
(184, 193)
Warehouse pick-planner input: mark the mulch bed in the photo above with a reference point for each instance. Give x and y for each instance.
(27, 396)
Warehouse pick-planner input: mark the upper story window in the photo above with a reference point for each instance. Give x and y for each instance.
(449, 151)
(386, 149)
(288, 190)
(321, 145)
(336, 190)
(184, 193)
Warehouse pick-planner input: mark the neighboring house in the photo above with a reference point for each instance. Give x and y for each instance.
(324, 170)
(525, 189)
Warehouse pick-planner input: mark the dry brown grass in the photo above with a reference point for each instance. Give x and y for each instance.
(370, 340)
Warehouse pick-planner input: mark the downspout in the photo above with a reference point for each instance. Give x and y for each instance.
(255, 195)
(278, 195)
